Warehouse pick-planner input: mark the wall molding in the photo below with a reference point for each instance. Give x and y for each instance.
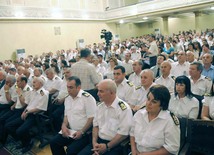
(155, 6)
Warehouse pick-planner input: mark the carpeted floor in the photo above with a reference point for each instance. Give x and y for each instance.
(4, 151)
(10, 148)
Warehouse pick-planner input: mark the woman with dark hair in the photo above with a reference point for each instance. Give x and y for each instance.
(109, 71)
(45, 66)
(208, 105)
(64, 64)
(198, 49)
(182, 103)
(154, 129)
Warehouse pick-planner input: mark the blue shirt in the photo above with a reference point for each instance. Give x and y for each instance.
(209, 73)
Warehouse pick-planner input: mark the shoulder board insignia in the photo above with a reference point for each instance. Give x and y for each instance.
(138, 87)
(28, 88)
(175, 119)
(122, 105)
(207, 94)
(99, 103)
(32, 76)
(208, 78)
(85, 94)
(56, 78)
(143, 107)
(173, 77)
(130, 84)
(41, 92)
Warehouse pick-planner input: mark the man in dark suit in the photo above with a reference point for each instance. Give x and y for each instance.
(2, 78)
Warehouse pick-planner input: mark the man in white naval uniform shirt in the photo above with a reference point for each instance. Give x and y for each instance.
(166, 79)
(200, 84)
(80, 108)
(137, 68)
(16, 109)
(37, 102)
(181, 67)
(111, 123)
(125, 89)
(138, 99)
(54, 82)
(8, 94)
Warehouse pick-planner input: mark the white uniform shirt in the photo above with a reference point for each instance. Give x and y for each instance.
(55, 83)
(125, 90)
(168, 82)
(113, 120)
(38, 100)
(202, 85)
(178, 69)
(12, 92)
(135, 79)
(184, 107)
(160, 132)
(136, 56)
(26, 94)
(128, 66)
(140, 95)
(153, 49)
(63, 92)
(79, 109)
(209, 102)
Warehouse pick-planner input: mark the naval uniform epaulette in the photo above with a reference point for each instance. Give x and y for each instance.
(207, 94)
(138, 87)
(28, 88)
(130, 84)
(175, 119)
(41, 92)
(99, 103)
(85, 94)
(208, 78)
(122, 105)
(173, 77)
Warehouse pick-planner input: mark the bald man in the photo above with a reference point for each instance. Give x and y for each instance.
(166, 79)
(138, 99)
(112, 122)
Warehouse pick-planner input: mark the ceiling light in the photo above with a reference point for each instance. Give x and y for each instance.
(145, 18)
(121, 21)
(212, 8)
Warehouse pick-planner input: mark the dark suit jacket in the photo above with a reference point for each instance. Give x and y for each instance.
(2, 84)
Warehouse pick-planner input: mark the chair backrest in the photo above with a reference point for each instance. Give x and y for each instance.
(199, 98)
(183, 131)
(200, 135)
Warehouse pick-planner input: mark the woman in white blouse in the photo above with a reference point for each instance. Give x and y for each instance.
(154, 129)
(109, 71)
(208, 105)
(182, 103)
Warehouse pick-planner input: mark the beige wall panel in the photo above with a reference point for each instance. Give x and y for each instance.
(37, 38)
(181, 24)
(206, 21)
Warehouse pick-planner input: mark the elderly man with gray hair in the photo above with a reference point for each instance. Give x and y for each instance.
(8, 94)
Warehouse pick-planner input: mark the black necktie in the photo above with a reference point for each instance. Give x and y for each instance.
(158, 72)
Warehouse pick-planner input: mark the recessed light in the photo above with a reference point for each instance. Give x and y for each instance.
(121, 21)
(212, 8)
(145, 18)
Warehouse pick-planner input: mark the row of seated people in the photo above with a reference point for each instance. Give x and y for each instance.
(147, 77)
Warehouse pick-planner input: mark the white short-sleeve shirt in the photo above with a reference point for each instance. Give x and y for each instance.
(152, 135)
(79, 109)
